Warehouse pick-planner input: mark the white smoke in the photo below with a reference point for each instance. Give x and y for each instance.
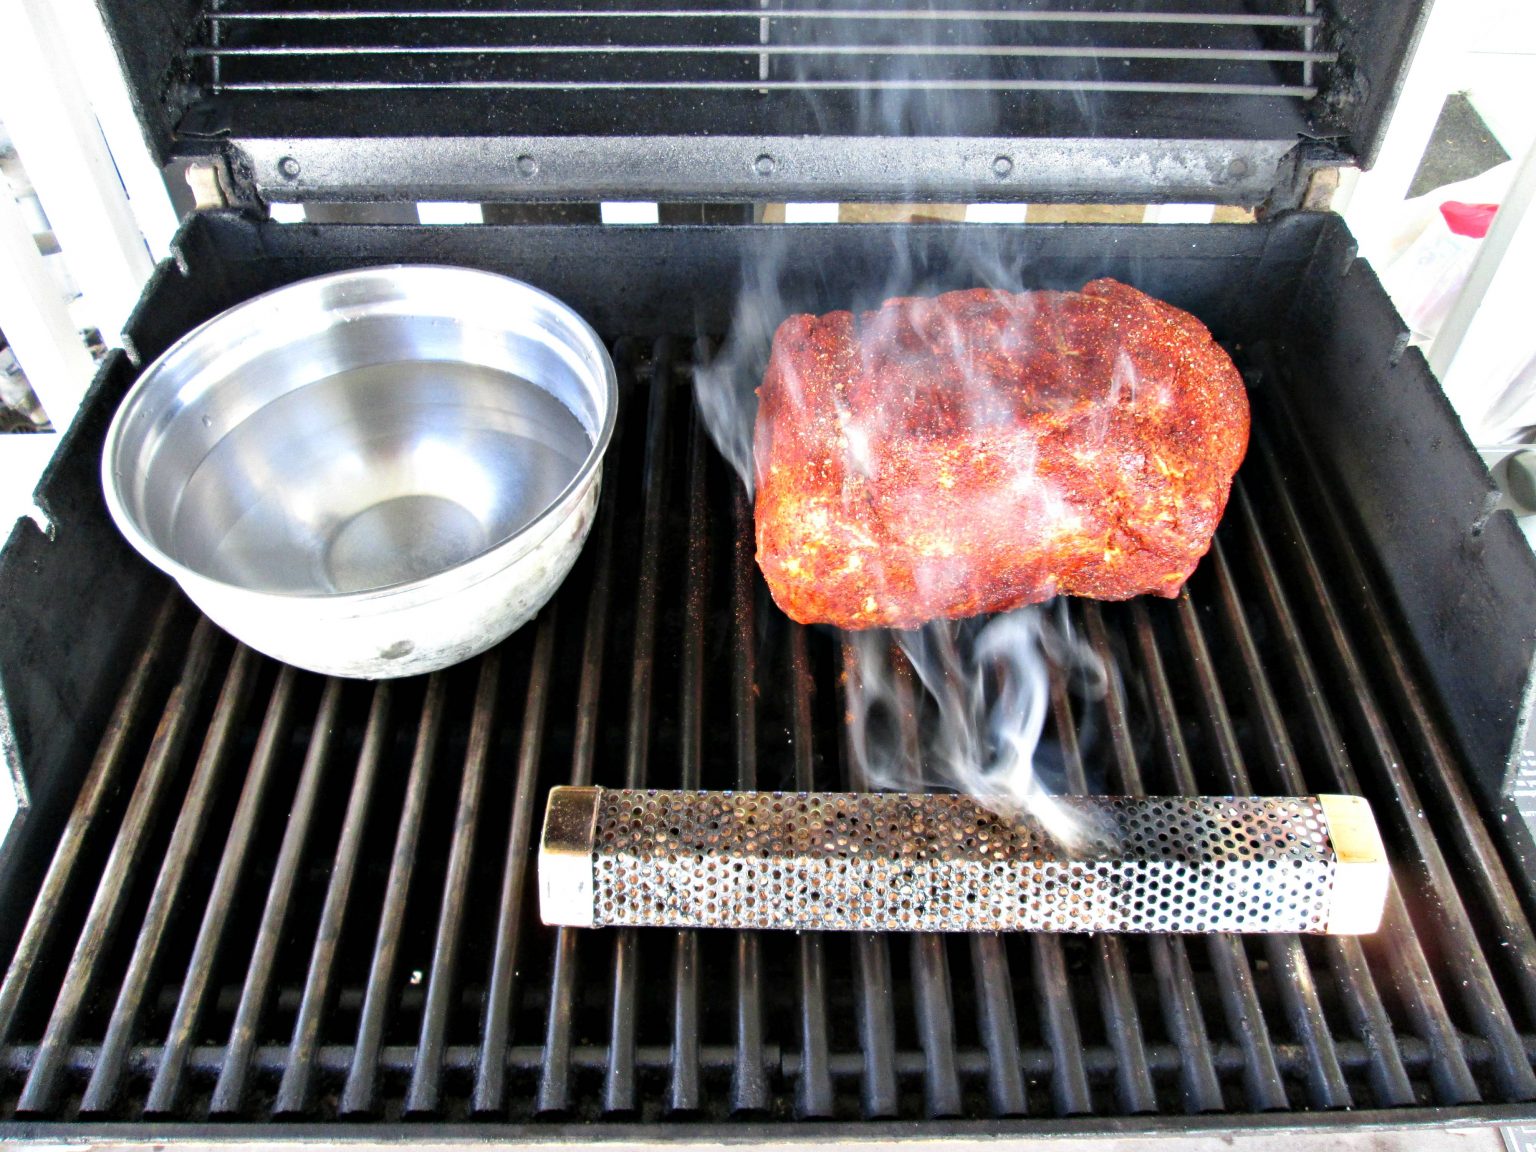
(983, 688)
(958, 705)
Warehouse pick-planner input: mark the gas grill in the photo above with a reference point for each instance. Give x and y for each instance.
(244, 894)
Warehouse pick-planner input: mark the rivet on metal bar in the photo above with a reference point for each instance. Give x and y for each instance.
(941, 863)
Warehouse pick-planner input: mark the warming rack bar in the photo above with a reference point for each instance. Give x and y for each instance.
(1257, 20)
(755, 49)
(937, 85)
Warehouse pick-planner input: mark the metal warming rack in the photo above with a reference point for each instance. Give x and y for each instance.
(773, 49)
(1225, 100)
(245, 894)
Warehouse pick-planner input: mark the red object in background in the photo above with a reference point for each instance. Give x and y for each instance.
(1472, 220)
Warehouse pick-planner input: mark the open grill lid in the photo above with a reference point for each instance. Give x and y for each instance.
(1229, 101)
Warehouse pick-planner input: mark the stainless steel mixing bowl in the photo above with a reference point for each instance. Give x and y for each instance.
(374, 473)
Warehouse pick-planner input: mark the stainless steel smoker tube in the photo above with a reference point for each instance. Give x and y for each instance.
(882, 861)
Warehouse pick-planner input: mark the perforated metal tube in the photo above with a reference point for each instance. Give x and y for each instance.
(895, 862)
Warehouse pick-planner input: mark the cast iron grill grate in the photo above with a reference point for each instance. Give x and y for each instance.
(1184, 47)
(285, 897)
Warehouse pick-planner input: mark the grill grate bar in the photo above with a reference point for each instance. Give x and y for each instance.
(229, 1091)
(99, 785)
(872, 959)
(190, 824)
(294, 1092)
(1346, 956)
(749, 1081)
(127, 849)
(877, 1024)
(426, 1076)
(165, 1087)
(930, 969)
(1170, 957)
(685, 1089)
(935, 1024)
(619, 1082)
(1234, 976)
(637, 734)
(1277, 741)
(396, 1060)
(359, 1093)
(1112, 977)
(555, 1066)
(1058, 1013)
(1481, 997)
(814, 1094)
(1445, 780)
(490, 1073)
(999, 1024)
(1298, 989)
(1406, 967)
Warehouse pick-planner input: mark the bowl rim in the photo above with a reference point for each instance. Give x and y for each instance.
(475, 567)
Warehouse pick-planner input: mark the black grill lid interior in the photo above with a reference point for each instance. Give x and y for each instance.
(1133, 100)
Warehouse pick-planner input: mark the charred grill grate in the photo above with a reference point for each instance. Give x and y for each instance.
(280, 896)
(1206, 48)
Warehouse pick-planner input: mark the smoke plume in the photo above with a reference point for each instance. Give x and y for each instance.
(958, 705)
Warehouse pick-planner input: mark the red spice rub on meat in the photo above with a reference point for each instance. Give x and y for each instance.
(980, 450)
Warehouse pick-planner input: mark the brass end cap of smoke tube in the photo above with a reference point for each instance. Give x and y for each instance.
(1361, 875)
(565, 857)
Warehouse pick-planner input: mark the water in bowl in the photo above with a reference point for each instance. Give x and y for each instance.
(376, 476)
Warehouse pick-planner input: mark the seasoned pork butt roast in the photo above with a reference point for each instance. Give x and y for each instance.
(980, 450)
